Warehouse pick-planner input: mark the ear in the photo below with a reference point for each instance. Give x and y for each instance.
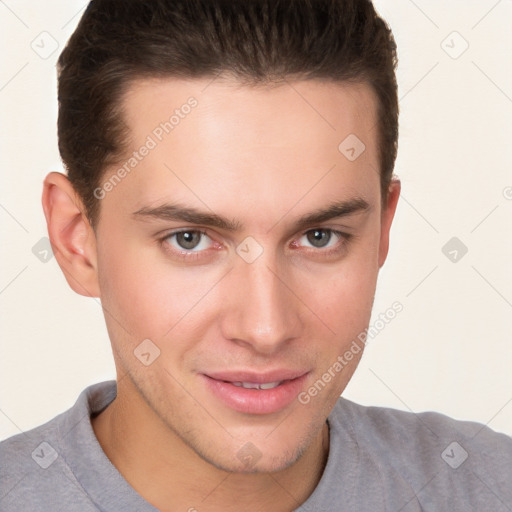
(387, 215)
(71, 235)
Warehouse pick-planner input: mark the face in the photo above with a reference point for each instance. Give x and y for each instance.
(244, 242)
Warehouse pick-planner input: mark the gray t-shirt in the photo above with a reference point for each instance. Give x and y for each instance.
(379, 459)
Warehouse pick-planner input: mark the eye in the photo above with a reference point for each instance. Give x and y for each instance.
(189, 240)
(321, 238)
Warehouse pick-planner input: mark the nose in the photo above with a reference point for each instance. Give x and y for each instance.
(262, 311)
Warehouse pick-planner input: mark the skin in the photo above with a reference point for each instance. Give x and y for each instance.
(265, 157)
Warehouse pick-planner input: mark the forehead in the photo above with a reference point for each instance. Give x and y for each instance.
(213, 141)
(275, 114)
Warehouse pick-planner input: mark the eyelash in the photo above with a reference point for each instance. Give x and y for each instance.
(194, 255)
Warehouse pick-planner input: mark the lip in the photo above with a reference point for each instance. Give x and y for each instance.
(253, 401)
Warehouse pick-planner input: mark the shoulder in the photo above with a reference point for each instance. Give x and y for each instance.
(37, 442)
(403, 428)
(34, 470)
(465, 460)
(19, 452)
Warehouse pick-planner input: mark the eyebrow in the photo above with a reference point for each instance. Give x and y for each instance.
(177, 212)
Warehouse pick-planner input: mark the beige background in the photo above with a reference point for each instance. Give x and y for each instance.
(449, 350)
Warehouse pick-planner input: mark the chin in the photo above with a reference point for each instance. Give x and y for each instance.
(267, 463)
(259, 457)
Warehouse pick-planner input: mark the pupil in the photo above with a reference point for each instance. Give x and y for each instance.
(188, 239)
(319, 238)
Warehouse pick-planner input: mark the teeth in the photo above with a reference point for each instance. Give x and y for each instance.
(254, 385)
(270, 385)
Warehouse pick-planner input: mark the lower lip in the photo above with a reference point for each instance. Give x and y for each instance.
(256, 401)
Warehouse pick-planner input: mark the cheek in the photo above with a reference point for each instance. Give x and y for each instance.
(136, 292)
(347, 312)
(345, 307)
(147, 297)
(344, 304)
(345, 300)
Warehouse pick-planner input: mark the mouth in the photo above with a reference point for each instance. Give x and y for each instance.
(253, 393)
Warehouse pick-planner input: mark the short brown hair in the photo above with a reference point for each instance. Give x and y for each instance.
(257, 41)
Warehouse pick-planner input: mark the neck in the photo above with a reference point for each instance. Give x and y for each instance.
(167, 473)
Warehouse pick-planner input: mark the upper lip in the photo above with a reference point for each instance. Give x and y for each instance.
(277, 375)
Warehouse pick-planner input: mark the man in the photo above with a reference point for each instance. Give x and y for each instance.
(229, 198)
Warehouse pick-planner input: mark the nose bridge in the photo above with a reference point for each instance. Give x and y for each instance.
(262, 312)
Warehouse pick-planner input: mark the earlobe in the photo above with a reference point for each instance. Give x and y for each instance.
(387, 216)
(71, 235)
